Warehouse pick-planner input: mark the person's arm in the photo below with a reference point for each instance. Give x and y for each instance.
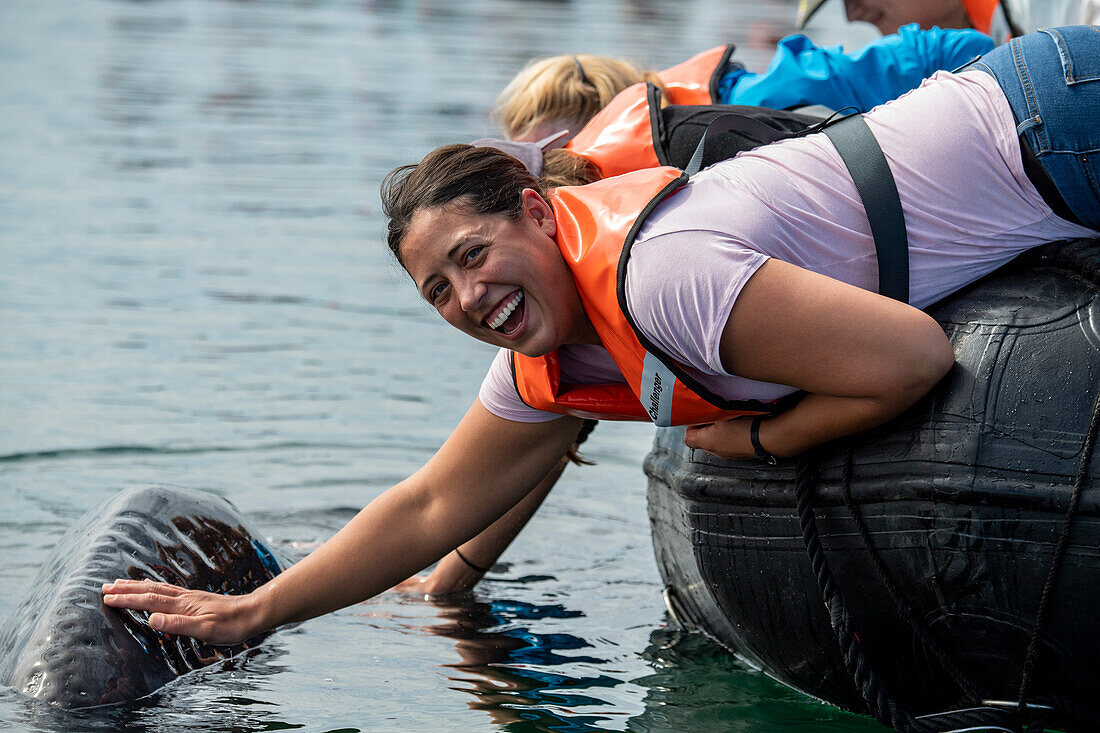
(483, 469)
(801, 73)
(452, 574)
(861, 357)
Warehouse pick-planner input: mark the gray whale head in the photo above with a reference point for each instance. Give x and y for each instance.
(64, 647)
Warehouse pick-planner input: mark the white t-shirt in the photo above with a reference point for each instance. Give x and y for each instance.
(969, 208)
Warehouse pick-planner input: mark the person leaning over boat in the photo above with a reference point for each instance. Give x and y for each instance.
(626, 135)
(1000, 19)
(756, 277)
(565, 92)
(619, 133)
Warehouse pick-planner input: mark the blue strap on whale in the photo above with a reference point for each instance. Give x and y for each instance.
(266, 557)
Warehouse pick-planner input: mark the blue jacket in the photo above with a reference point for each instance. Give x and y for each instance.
(802, 74)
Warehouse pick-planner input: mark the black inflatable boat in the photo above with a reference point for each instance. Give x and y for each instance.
(933, 538)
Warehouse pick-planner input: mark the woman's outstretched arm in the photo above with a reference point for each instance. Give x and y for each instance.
(861, 357)
(484, 468)
(453, 574)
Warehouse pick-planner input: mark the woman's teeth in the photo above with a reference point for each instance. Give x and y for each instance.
(503, 315)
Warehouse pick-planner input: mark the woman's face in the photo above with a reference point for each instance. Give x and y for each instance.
(501, 281)
(889, 15)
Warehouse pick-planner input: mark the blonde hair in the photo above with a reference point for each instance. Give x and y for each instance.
(563, 90)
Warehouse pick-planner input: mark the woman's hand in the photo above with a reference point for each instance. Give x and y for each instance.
(209, 617)
(728, 439)
(417, 585)
(440, 583)
(460, 492)
(861, 359)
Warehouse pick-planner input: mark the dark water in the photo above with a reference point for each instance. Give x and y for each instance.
(193, 290)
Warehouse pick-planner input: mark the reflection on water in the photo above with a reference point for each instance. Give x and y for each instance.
(194, 290)
(513, 672)
(529, 681)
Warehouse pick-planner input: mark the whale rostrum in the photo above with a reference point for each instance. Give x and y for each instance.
(62, 646)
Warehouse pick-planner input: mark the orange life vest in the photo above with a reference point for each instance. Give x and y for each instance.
(619, 139)
(695, 81)
(596, 225)
(981, 13)
(634, 131)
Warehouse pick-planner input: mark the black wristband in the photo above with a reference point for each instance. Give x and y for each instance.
(472, 566)
(754, 436)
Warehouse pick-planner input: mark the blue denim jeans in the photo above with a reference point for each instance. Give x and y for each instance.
(1052, 81)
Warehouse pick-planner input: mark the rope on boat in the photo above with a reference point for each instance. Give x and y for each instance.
(875, 692)
(905, 610)
(1081, 257)
(880, 702)
(1059, 551)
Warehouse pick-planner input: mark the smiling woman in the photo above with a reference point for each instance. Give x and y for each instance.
(696, 302)
(493, 272)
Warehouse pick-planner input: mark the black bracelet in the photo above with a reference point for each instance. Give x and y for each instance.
(754, 436)
(474, 567)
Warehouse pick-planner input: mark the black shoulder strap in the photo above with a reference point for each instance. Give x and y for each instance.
(871, 174)
(875, 184)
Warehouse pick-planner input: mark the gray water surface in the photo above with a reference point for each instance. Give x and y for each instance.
(194, 290)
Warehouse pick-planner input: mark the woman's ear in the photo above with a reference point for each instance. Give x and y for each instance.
(539, 211)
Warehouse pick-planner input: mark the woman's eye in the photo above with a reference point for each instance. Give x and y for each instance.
(472, 253)
(436, 290)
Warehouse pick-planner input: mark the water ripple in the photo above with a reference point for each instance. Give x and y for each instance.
(116, 450)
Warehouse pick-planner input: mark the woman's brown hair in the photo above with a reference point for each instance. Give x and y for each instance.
(484, 180)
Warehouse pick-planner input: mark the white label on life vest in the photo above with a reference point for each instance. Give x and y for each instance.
(656, 390)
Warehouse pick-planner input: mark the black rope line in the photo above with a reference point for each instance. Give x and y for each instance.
(1059, 552)
(904, 609)
(880, 702)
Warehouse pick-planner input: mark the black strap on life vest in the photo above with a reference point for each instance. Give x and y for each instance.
(679, 127)
(875, 184)
(732, 122)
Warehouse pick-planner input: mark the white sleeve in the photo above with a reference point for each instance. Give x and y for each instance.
(681, 288)
(499, 396)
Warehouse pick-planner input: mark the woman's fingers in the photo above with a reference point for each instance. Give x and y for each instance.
(170, 623)
(143, 601)
(728, 439)
(699, 436)
(206, 616)
(127, 585)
